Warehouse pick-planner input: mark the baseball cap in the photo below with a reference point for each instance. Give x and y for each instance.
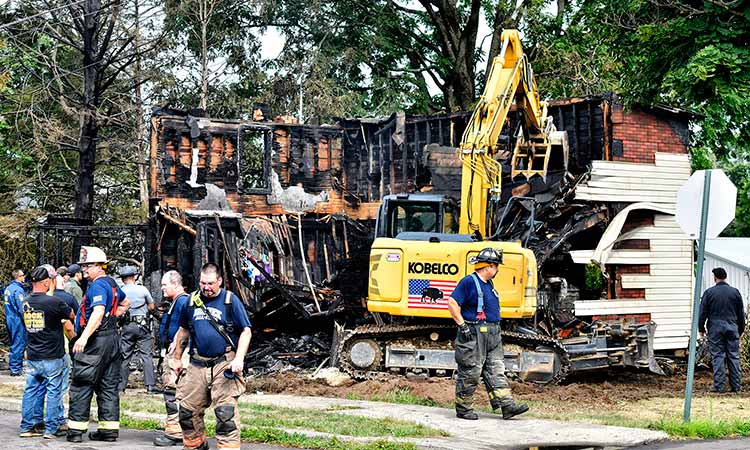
(73, 269)
(39, 274)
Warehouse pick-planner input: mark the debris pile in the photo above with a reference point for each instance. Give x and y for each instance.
(276, 352)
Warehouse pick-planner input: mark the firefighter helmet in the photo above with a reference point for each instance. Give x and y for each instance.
(92, 255)
(488, 256)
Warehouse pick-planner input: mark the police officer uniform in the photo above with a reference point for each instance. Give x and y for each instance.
(723, 309)
(97, 368)
(14, 296)
(208, 378)
(478, 345)
(135, 334)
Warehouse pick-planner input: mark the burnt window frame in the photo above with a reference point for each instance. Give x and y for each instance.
(267, 156)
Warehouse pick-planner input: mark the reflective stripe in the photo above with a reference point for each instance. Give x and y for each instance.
(228, 446)
(74, 425)
(109, 425)
(194, 442)
(497, 393)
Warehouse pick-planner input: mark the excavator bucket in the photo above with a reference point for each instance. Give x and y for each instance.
(540, 155)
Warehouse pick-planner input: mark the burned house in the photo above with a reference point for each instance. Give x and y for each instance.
(288, 210)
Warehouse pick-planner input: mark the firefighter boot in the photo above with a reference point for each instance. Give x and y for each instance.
(106, 436)
(513, 410)
(468, 415)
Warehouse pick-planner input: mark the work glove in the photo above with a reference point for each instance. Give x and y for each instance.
(464, 330)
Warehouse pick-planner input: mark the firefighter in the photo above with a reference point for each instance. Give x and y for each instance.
(96, 352)
(475, 306)
(174, 293)
(219, 330)
(136, 337)
(723, 309)
(14, 295)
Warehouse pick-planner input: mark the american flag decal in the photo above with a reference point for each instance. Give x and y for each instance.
(430, 294)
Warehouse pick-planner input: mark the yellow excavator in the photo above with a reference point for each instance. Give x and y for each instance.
(418, 257)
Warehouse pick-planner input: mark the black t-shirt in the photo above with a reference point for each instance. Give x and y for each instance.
(42, 316)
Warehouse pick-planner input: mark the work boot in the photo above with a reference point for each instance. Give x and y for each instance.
(468, 415)
(75, 437)
(513, 410)
(166, 441)
(99, 435)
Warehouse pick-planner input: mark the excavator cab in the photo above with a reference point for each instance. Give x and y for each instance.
(416, 213)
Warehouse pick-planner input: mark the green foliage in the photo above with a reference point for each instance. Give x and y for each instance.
(702, 429)
(594, 280)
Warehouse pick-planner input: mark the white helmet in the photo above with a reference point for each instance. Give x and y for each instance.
(92, 255)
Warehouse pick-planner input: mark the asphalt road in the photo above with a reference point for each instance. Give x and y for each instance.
(129, 439)
(727, 444)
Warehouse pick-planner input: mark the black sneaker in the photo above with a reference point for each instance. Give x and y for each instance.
(166, 441)
(102, 436)
(153, 390)
(513, 410)
(76, 438)
(468, 415)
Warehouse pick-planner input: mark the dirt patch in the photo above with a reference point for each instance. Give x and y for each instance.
(597, 389)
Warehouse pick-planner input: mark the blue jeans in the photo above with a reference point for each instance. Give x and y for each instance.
(44, 379)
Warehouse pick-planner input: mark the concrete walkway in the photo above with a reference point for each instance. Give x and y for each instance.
(488, 433)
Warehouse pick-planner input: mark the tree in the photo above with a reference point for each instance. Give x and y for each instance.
(393, 51)
(76, 57)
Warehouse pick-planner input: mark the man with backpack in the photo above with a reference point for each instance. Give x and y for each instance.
(177, 299)
(219, 331)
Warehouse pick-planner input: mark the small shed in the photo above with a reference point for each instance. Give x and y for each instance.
(733, 254)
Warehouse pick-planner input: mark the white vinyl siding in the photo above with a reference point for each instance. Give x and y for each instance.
(669, 285)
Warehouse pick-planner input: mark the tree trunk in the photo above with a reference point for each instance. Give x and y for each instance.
(89, 126)
(204, 17)
(142, 156)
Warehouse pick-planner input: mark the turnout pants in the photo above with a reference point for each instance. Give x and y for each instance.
(481, 356)
(169, 378)
(96, 371)
(202, 387)
(137, 339)
(724, 344)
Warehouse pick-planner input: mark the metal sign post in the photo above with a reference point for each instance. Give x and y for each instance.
(697, 296)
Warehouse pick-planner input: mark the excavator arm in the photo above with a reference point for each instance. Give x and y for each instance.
(510, 82)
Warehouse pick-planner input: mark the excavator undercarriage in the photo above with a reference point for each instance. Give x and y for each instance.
(369, 352)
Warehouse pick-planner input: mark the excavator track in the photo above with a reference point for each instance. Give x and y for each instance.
(372, 336)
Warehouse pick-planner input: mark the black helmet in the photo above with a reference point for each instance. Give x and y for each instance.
(128, 271)
(489, 256)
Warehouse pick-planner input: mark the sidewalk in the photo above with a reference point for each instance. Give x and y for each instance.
(487, 433)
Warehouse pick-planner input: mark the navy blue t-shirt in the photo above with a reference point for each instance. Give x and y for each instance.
(173, 315)
(68, 299)
(204, 339)
(466, 296)
(98, 293)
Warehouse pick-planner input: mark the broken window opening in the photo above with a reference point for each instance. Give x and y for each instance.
(254, 160)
